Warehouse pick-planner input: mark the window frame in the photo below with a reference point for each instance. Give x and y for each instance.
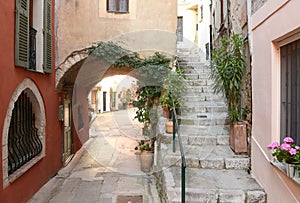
(290, 73)
(117, 7)
(23, 22)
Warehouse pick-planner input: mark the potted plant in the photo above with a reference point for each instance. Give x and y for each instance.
(287, 153)
(165, 102)
(146, 148)
(227, 73)
(170, 99)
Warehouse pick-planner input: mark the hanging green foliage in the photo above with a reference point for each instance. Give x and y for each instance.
(153, 73)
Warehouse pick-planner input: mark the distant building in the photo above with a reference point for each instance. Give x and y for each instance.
(194, 25)
(112, 93)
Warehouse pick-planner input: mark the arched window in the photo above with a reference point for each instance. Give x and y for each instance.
(23, 140)
(23, 136)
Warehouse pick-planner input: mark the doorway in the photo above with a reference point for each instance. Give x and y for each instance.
(68, 135)
(104, 101)
(179, 29)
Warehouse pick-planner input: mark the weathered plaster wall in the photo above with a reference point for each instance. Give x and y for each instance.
(238, 17)
(81, 23)
(270, 25)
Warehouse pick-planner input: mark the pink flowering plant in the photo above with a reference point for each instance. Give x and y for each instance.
(287, 152)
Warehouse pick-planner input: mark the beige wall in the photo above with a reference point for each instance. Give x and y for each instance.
(271, 28)
(81, 23)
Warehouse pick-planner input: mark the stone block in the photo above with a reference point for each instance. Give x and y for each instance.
(257, 196)
(199, 195)
(222, 140)
(192, 162)
(231, 196)
(237, 163)
(202, 140)
(217, 163)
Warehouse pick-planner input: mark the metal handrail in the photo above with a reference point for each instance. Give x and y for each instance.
(183, 161)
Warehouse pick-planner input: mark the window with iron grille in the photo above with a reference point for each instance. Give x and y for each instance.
(28, 28)
(118, 6)
(23, 140)
(290, 91)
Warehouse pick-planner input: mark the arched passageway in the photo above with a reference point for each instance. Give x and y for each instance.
(75, 79)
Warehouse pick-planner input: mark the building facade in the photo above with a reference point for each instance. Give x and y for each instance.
(30, 129)
(144, 27)
(194, 26)
(275, 38)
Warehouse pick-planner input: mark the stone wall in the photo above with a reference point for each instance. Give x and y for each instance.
(236, 22)
(257, 4)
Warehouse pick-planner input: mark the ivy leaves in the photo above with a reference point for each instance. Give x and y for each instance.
(117, 57)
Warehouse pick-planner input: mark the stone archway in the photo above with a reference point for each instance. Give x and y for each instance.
(73, 59)
(69, 82)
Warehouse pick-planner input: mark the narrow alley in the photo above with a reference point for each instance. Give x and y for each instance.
(106, 169)
(213, 85)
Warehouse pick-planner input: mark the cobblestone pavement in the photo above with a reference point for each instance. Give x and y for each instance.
(106, 169)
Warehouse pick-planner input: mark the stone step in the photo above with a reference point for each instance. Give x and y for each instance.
(213, 186)
(195, 64)
(182, 52)
(199, 82)
(186, 109)
(189, 57)
(199, 89)
(204, 119)
(206, 103)
(203, 90)
(188, 97)
(204, 130)
(205, 156)
(191, 71)
(200, 69)
(214, 173)
(197, 140)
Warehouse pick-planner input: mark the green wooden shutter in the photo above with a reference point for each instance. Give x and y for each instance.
(22, 33)
(47, 36)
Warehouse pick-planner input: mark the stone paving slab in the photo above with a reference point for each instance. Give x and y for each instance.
(104, 168)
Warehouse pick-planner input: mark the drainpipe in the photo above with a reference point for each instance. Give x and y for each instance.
(249, 7)
(228, 9)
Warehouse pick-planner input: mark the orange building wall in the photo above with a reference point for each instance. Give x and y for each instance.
(22, 189)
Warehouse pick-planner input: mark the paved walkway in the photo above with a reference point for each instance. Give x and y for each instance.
(106, 169)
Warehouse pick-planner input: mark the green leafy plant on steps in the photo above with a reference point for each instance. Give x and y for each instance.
(173, 87)
(227, 70)
(144, 145)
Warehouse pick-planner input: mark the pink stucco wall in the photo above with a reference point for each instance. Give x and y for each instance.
(275, 24)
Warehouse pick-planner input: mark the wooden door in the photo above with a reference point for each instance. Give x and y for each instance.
(180, 29)
(68, 135)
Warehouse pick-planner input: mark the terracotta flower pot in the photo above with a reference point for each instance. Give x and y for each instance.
(166, 112)
(146, 160)
(238, 137)
(169, 126)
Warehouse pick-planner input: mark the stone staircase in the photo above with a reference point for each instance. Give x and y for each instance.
(214, 173)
